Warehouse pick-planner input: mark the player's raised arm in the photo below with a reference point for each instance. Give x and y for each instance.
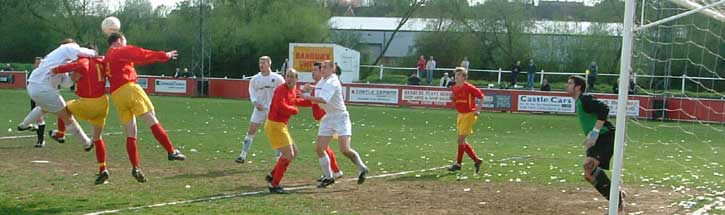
(77, 65)
(140, 56)
(77, 50)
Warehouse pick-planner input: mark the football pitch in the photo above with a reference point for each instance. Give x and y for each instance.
(532, 165)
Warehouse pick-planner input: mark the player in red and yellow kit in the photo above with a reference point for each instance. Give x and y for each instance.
(281, 109)
(464, 97)
(318, 113)
(92, 106)
(131, 101)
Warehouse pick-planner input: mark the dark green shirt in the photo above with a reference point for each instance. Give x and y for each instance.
(589, 110)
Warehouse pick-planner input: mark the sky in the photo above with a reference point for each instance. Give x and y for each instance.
(586, 2)
(170, 3)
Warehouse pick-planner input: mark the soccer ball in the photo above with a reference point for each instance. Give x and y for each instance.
(110, 24)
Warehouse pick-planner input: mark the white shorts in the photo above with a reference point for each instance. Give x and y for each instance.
(335, 123)
(48, 99)
(258, 116)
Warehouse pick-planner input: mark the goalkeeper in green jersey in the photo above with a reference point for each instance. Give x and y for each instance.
(599, 141)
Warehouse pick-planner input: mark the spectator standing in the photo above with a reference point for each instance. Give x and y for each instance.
(284, 67)
(430, 67)
(465, 63)
(421, 65)
(338, 71)
(531, 75)
(515, 70)
(592, 76)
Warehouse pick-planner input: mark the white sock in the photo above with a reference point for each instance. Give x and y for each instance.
(33, 116)
(41, 120)
(325, 164)
(246, 145)
(358, 161)
(74, 128)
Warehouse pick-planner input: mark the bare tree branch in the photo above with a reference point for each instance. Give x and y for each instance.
(413, 7)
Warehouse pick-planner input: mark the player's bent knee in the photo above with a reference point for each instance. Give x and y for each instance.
(321, 153)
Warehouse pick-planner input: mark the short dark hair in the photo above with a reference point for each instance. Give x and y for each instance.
(113, 37)
(90, 46)
(67, 40)
(579, 81)
(317, 64)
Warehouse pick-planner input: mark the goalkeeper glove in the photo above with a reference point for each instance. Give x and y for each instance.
(591, 138)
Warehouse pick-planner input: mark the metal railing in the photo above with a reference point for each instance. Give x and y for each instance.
(381, 71)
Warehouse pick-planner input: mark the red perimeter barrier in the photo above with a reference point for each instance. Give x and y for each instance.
(13, 80)
(640, 106)
(228, 88)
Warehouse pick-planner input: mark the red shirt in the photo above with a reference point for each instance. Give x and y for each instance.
(121, 62)
(464, 97)
(283, 104)
(92, 83)
(317, 111)
(421, 64)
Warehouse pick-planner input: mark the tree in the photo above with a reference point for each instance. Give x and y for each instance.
(408, 14)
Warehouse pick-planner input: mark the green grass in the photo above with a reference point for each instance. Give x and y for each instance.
(541, 151)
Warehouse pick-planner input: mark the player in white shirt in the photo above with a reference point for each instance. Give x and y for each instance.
(261, 90)
(43, 89)
(328, 94)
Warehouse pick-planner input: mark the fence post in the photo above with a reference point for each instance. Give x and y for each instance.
(499, 76)
(683, 83)
(542, 77)
(381, 71)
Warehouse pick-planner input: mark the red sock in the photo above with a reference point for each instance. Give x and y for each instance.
(459, 156)
(132, 151)
(162, 137)
(61, 129)
(279, 171)
(471, 153)
(333, 161)
(100, 154)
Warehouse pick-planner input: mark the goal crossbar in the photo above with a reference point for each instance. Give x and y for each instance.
(695, 8)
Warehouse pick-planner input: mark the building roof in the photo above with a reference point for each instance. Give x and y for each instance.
(426, 25)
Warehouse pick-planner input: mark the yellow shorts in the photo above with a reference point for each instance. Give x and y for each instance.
(93, 110)
(130, 100)
(464, 123)
(277, 134)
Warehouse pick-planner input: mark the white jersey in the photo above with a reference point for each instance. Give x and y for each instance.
(330, 90)
(261, 88)
(43, 77)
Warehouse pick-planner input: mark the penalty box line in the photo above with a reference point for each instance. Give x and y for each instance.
(235, 195)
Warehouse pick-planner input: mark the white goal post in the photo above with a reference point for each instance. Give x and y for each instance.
(708, 8)
(692, 5)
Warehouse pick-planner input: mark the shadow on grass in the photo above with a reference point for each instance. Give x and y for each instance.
(433, 176)
(213, 174)
(29, 208)
(331, 189)
(29, 146)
